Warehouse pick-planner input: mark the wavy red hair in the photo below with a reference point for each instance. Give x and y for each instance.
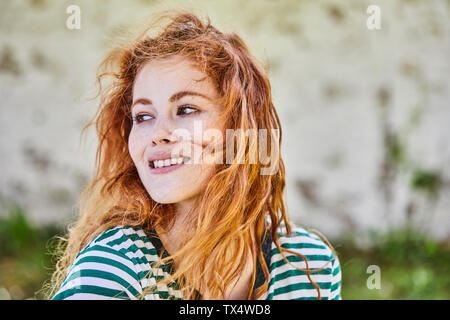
(230, 214)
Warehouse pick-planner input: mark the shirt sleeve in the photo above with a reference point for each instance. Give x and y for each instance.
(335, 291)
(100, 272)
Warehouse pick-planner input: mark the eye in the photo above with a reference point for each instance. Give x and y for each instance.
(186, 109)
(141, 118)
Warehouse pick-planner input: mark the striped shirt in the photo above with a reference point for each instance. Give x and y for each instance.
(117, 263)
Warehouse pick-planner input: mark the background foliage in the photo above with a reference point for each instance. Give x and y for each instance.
(412, 266)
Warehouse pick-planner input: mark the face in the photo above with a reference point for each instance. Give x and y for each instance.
(170, 107)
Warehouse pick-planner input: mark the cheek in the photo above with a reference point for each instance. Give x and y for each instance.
(207, 128)
(136, 147)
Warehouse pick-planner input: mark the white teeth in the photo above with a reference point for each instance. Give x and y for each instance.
(167, 162)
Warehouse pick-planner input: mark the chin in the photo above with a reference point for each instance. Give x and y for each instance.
(166, 198)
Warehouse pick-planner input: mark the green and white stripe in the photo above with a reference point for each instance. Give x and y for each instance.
(116, 265)
(288, 283)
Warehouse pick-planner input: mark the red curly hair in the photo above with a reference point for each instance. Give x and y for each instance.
(238, 200)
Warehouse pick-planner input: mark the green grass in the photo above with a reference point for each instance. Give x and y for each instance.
(25, 262)
(412, 266)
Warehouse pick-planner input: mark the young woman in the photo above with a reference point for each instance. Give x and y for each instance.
(176, 214)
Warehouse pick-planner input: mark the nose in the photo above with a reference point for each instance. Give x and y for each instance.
(163, 135)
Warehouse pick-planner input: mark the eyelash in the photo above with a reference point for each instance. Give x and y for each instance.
(136, 118)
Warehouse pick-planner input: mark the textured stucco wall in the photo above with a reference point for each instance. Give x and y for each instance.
(365, 113)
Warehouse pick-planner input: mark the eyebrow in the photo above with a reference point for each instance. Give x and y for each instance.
(173, 98)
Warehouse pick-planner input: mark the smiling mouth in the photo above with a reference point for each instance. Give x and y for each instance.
(168, 162)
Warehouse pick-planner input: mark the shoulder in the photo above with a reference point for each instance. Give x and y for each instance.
(305, 242)
(305, 251)
(106, 268)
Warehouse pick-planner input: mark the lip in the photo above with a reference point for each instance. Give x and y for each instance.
(165, 169)
(158, 155)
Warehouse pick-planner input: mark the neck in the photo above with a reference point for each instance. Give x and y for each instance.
(171, 239)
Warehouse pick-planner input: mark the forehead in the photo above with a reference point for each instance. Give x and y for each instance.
(166, 76)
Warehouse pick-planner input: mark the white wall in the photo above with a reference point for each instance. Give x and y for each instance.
(341, 91)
